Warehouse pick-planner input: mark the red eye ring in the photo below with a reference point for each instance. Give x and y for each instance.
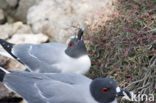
(105, 90)
(70, 44)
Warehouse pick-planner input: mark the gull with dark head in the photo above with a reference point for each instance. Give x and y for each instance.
(53, 57)
(61, 87)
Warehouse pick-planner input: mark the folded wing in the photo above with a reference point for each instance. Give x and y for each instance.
(39, 56)
(47, 88)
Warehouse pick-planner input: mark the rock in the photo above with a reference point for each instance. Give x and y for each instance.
(56, 17)
(2, 17)
(3, 61)
(10, 19)
(7, 96)
(10, 64)
(12, 3)
(28, 38)
(4, 92)
(8, 30)
(14, 65)
(23, 101)
(19, 28)
(23, 7)
(3, 4)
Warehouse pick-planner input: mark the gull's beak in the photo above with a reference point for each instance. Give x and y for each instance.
(125, 93)
(80, 33)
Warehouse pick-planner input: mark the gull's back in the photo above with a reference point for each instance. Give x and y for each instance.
(38, 56)
(50, 88)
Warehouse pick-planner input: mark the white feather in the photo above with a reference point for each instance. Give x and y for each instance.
(79, 65)
(6, 54)
(4, 70)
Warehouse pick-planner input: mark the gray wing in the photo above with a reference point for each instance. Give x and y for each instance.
(40, 57)
(48, 88)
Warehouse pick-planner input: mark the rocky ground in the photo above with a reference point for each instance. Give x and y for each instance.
(38, 21)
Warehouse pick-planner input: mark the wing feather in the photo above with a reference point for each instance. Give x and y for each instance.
(41, 57)
(47, 88)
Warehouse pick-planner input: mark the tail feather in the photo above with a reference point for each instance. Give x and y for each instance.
(2, 73)
(6, 54)
(8, 47)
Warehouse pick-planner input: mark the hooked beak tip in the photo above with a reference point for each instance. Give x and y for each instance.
(124, 93)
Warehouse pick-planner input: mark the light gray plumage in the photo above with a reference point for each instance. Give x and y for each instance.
(38, 56)
(41, 88)
(60, 87)
(53, 57)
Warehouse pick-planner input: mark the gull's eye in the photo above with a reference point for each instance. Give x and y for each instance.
(70, 44)
(105, 90)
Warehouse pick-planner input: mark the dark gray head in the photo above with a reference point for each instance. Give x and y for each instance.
(105, 90)
(76, 46)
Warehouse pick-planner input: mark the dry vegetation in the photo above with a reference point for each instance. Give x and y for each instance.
(124, 47)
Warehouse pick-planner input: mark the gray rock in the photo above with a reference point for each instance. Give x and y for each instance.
(3, 4)
(12, 3)
(3, 60)
(56, 17)
(2, 17)
(23, 7)
(4, 92)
